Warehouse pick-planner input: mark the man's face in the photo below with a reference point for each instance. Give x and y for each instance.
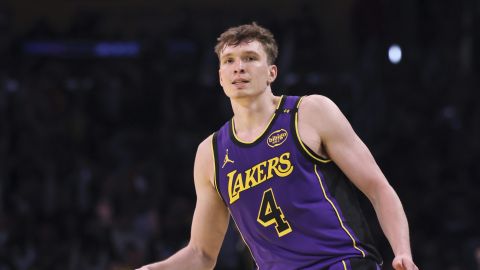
(244, 70)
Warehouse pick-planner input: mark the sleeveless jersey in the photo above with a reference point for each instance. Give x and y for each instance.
(293, 209)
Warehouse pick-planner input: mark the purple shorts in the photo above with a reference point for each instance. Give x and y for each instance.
(355, 264)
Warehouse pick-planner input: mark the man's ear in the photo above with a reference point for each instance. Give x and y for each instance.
(220, 77)
(272, 74)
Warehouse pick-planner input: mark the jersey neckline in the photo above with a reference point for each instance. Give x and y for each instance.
(238, 141)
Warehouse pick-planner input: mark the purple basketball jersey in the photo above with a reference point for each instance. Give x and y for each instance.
(293, 209)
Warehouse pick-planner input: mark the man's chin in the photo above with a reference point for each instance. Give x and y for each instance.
(239, 93)
(242, 93)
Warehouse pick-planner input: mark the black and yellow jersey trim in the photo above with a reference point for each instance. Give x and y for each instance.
(322, 186)
(304, 149)
(245, 242)
(216, 173)
(216, 182)
(238, 141)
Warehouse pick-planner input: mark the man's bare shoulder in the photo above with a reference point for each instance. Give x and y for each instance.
(318, 108)
(204, 161)
(320, 115)
(317, 103)
(205, 146)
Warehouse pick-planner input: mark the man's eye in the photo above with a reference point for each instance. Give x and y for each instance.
(228, 61)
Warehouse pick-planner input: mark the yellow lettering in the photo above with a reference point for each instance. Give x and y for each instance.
(250, 180)
(285, 160)
(272, 165)
(260, 174)
(238, 187)
(232, 192)
(279, 166)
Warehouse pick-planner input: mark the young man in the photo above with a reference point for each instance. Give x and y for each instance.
(283, 168)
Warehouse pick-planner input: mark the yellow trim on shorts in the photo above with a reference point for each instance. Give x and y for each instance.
(336, 212)
(265, 130)
(344, 265)
(300, 139)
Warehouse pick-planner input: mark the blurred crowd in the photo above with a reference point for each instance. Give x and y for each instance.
(96, 154)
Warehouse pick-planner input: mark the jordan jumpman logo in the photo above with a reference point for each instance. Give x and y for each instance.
(226, 160)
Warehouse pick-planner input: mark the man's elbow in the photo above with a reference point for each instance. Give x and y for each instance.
(381, 189)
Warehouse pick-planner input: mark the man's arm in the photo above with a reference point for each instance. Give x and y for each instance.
(319, 115)
(210, 220)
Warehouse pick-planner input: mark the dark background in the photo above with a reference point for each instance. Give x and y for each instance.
(97, 139)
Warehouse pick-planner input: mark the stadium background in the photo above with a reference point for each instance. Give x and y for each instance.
(102, 105)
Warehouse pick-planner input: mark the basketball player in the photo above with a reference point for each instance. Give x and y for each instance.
(285, 168)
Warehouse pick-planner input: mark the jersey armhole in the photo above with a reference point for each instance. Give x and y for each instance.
(215, 162)
(303, 148)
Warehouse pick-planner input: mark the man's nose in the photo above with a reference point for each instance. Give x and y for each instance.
(239, 67)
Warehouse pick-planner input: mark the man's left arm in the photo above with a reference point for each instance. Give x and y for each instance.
(346, 149)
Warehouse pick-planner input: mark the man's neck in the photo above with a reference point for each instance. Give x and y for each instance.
(252, 115)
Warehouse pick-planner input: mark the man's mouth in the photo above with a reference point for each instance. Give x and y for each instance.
(240, 81)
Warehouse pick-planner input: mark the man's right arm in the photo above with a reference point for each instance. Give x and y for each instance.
(210, 219)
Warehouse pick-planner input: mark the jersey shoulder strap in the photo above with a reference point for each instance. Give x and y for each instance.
(289, 105)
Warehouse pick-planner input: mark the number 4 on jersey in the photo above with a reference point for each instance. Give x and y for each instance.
(270, 213)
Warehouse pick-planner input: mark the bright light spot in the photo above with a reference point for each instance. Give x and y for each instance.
(395, 54)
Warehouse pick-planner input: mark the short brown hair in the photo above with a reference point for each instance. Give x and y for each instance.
(246, 33)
